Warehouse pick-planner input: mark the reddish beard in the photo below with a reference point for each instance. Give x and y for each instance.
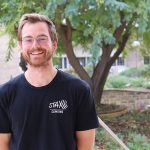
(47, 55)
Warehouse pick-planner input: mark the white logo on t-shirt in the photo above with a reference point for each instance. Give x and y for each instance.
(58, 106)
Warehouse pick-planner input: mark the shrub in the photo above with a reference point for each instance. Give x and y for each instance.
(138, 142)
(143, 71)
(135, 141)
(137, 82)
(132, 72)
(146, 85)
(146, 71)
(118, 81)
(106, 140)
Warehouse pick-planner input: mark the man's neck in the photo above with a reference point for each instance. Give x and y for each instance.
(40, 76)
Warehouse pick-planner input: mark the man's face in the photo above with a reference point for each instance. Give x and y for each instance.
(36, 44)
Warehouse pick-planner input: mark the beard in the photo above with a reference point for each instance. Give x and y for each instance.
(37, 57)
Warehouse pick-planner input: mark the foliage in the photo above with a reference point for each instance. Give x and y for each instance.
(118, 81)
(133, 77)
(137, 82)
(143, 71)
(135, 141)
(132, 128)
(146, 71)
(132, 72)
(10, 17)
(146, 85)
(138, 142)
(105, 141)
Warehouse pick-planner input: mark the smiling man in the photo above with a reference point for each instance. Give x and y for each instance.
(45, 108)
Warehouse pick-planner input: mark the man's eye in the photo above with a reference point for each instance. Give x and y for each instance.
(28, 40)
(42, 39)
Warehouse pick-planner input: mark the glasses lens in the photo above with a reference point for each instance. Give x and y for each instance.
(40, 40)
(27, 41)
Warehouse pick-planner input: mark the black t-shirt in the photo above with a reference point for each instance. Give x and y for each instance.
(47, 117)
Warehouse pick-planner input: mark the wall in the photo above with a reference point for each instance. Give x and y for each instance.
(134, 59)
(11, 68)
(131, 98)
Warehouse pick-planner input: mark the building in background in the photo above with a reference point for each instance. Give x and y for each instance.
(133, 59)
(83, 56)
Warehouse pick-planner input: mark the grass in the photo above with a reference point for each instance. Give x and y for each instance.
(133, 128)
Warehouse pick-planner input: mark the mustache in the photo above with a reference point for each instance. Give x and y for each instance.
(30, 50)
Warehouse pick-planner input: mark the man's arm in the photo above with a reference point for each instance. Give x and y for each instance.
(85, 139)
(5, 141)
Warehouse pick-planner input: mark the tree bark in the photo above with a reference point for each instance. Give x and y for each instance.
(65, 33)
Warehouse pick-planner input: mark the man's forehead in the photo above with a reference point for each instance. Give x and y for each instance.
(38, 23)
(35, 28)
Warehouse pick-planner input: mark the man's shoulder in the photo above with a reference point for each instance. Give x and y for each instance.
(11, 84)
(72, 80)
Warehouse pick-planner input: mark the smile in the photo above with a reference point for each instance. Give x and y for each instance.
(37, 53)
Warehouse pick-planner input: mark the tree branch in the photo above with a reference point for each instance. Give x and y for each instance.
(65, 33)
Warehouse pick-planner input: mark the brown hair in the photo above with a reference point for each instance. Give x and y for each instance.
(33, 18)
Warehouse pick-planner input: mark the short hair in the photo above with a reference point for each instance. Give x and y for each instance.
(34, 18)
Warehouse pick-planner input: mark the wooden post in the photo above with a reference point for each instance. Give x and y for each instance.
(115, 137)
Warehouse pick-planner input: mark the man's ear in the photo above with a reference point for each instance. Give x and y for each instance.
(55, 45)
(20, 44)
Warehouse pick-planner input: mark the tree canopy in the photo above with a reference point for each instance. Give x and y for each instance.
(101, 26)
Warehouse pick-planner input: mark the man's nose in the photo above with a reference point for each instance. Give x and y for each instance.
(35, 44)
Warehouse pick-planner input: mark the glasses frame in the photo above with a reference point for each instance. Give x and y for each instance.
(41, 40)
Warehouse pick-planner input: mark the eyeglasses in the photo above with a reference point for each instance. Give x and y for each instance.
(40, 40)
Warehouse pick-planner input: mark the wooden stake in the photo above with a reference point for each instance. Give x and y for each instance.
(113, 134)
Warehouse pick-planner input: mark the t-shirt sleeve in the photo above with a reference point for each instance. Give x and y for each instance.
(86, 113)
(4, 122)
(4, 117)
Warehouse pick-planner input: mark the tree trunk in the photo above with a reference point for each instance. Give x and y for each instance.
(100, 75)
(65, 33)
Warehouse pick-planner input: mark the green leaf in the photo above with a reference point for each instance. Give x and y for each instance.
(50, 9)
(71, 9)
(115, 5)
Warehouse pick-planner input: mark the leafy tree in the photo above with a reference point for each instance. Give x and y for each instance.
(102, 26)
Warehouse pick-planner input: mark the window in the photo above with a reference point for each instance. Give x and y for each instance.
(120, 61)
(147, 60)
(65, 62)
(82, 61)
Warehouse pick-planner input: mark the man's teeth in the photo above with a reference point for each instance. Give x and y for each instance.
(36, 53)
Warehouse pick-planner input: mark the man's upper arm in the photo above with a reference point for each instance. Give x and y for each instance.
(5, 141)
(85, 139)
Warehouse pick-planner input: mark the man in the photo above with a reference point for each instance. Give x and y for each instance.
(45, 108)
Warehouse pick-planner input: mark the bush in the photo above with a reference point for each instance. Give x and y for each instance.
(118, 81)
(146, 71)
(143, 71)
(138, 142)
(132, 72)
(137, 82)
(146, 85)
(135, 141)
(133, 77)
(102, 138)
